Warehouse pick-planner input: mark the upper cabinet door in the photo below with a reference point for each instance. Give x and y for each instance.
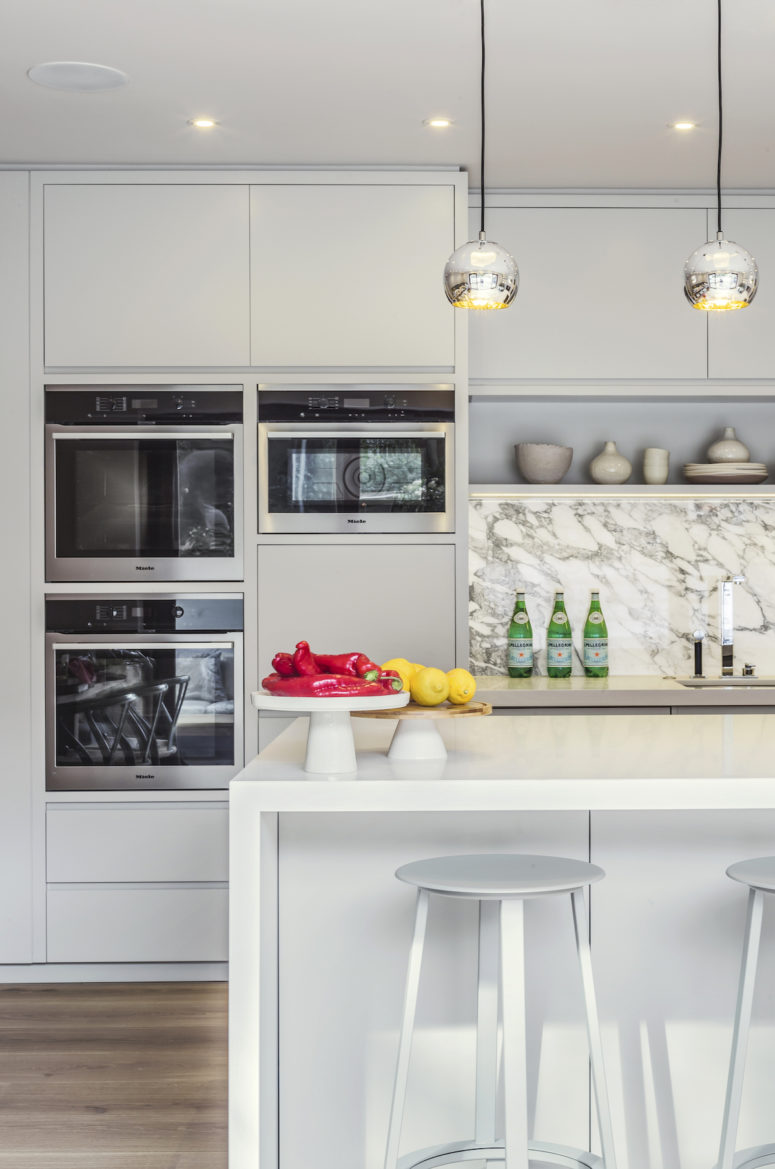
(742, 344)
(146, 275)
(600, 296)
(351, 275)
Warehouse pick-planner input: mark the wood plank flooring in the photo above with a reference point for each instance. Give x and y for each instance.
(113, 1076)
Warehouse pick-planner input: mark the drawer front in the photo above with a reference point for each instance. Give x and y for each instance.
(131, 924)
(148, 843)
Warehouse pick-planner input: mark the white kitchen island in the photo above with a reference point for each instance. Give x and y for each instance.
(320, 929)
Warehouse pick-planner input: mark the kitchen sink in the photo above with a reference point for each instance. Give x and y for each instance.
(738, 682)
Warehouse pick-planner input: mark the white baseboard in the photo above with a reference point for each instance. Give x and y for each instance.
(115, 972)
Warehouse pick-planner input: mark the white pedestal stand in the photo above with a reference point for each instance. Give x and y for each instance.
(330, 746)
(416, 736)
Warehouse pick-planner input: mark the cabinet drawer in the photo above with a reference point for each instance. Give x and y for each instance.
(131, 924)
(148, 843)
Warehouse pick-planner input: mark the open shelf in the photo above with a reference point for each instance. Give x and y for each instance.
(621, 490)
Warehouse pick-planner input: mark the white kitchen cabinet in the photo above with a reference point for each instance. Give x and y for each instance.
(385, 600)
(350, 275)
(742, 344)
(345, 928)
(136, 923)
(667, 988)
(151, 843)
(146, 274)
(600, 296)
(15, 790)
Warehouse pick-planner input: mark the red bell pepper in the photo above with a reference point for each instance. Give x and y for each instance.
(303, 661)
(324, 686)
(283, 664)
(357, 665)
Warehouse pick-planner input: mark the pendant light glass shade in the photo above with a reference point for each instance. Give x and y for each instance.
(720, 275)
(481, 274)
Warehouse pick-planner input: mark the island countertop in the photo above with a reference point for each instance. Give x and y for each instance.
(589, 762)
(645, 690)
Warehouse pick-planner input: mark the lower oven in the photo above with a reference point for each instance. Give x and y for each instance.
(143, 692)
(355, 460)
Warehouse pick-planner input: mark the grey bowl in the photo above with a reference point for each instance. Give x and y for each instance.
(543, 462)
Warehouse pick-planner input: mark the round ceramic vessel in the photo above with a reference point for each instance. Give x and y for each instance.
(610, 466)
(656, 465)
(728, 449)
(543, 462)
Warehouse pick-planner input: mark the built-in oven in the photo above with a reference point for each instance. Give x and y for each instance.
(143, 692)
(353, 459)
(143, 483)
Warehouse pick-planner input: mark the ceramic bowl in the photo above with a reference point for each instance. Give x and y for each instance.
(543, 462)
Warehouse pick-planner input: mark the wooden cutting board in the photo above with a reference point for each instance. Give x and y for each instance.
(414, 710)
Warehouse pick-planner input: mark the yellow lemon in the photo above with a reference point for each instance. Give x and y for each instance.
(462, 686)
(416, 667)
(429, 687)
(402, 667)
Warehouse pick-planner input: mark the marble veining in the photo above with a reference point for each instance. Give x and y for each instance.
(657, 564)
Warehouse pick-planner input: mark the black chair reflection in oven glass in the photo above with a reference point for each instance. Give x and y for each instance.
(154, 717)
(106, 717)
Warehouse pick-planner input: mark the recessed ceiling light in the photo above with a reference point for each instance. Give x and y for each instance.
(683, 125)
(203, 123)
(78, 76)
(438, 123)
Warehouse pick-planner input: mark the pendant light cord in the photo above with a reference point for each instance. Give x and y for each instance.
(481, 4)
(720, 120)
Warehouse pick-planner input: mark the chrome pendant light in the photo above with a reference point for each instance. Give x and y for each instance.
(481, 274)
(720, 275)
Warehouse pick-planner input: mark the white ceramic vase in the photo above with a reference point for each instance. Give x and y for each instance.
(656, 465)
(610, 466)
(728, 449)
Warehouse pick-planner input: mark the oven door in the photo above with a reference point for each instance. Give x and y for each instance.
(143, 503)
(151, 712)
(356, 479)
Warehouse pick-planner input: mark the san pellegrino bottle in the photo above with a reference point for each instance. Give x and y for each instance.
(559, 647)
(520, 645)
(595, 655)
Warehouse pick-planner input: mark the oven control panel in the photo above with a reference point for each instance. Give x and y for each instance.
(356, 405)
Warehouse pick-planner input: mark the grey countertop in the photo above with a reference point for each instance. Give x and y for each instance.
(623, 691)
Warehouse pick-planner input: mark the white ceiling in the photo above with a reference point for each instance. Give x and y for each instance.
(580, 92)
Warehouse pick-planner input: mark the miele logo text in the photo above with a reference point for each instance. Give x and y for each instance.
(356, 521)
(144, 776)
(145, 568)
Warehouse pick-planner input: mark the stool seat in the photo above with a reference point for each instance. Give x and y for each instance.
(758, 872)
(495, 876)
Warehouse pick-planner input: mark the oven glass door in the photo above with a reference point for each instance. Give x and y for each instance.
(117, 500)
(143, 714)
(378, 473)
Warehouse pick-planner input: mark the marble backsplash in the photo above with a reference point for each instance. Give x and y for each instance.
(656, 562)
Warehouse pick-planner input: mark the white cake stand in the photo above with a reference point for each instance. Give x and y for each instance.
(330, 746)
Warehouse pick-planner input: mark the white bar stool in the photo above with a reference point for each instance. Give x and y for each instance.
(759, 875)
(500, 883)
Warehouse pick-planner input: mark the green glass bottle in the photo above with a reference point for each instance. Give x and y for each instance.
(595, 655)
(559, 647)
(520, 644)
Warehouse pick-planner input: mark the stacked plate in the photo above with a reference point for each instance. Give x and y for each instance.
(725, 472)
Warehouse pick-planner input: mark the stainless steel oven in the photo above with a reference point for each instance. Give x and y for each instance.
(352, 459)
(143, 483)
(143, 692)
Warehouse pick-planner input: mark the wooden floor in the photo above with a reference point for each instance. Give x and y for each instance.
(113, 1076)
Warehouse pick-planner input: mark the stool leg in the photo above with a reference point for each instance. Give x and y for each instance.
(753, 929)
(514, 1033)
(581, 930)
(407, 1025)
(487, 1023)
